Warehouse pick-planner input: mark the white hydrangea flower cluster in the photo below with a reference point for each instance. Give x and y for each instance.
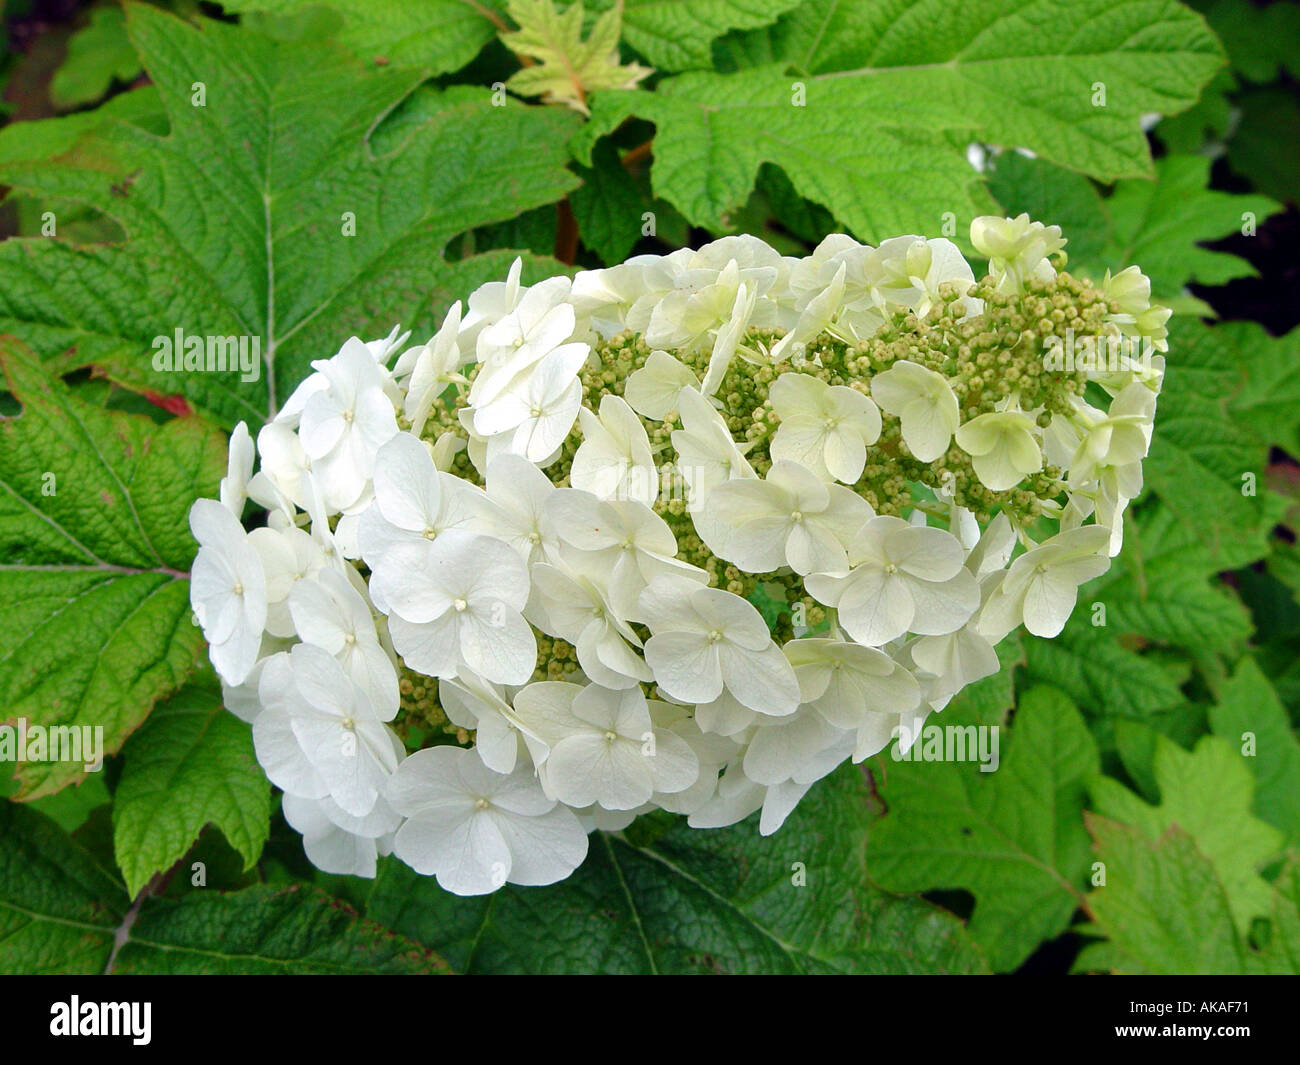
(533, 551)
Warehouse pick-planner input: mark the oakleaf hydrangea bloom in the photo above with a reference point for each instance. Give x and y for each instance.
(477, 830)
(685, 534)
(903, 578)
(227, 590)
(825, 427)
(790, 518)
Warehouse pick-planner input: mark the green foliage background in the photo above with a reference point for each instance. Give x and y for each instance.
(1159, 746)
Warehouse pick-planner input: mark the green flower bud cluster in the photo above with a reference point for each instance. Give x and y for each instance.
(419, 707)
(556, 659)
(990, 359)
(814, 614)
(616, 360)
